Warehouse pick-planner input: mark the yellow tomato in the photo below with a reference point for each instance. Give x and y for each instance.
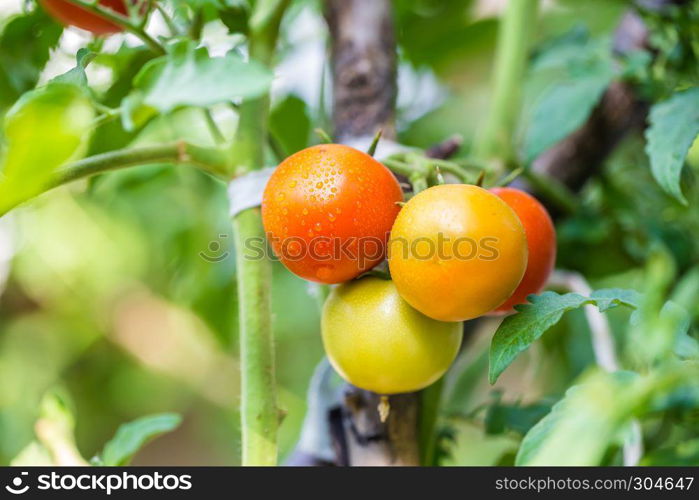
(376, 341)
(457, 252)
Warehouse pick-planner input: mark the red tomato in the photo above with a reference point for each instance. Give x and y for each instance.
(72, 15)
(328, 211)
(541, 241)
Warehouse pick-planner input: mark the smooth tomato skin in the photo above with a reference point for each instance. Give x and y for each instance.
(376, 341)
(324, 205)
(541, 243)
(72, 15)
(466, 252)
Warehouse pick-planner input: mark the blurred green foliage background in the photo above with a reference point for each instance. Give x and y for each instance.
(121, 290)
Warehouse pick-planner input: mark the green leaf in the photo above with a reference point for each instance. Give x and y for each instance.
(77, 76)
(236, 17)
(564, 108)
(132, 436)
(570, 49)
(595, 413)
(25, 43)
(582, 425)
(676, 321)
(611, 297)
(674, 125)
(517, 332)
(290, 124)
(188, 76)
(502, 417)
(577, 70)
(687, 347)
(684, 453)
(44, 129)
(134, 113)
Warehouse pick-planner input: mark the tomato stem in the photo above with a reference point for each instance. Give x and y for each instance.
(419, 183)
(324, 136)
(121, 21)
(554, 191)
(514, 37)
(451, 168)
(216, 133)
(507, 180)
(430, 402)
(375, 142)
(174, 30)
(210, 160)
(419, 168)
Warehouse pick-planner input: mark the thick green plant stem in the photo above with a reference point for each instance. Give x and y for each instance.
(514, 38)
(259, 412)
(208, 159)
(258, 409)
(430, 402)
(211, 160)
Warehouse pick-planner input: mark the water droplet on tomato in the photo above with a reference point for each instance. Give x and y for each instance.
(294, 248)
(323, 273)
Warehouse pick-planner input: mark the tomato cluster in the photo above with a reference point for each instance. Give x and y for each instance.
(454, 251)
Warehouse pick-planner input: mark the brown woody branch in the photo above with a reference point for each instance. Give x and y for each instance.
(364, 96)
(363, 67)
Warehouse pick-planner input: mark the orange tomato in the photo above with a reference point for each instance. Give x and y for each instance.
(457, 252)
(328, 211)
(73, 15)
(541, 242)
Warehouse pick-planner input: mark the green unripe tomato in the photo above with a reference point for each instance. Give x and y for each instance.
(378, 342)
